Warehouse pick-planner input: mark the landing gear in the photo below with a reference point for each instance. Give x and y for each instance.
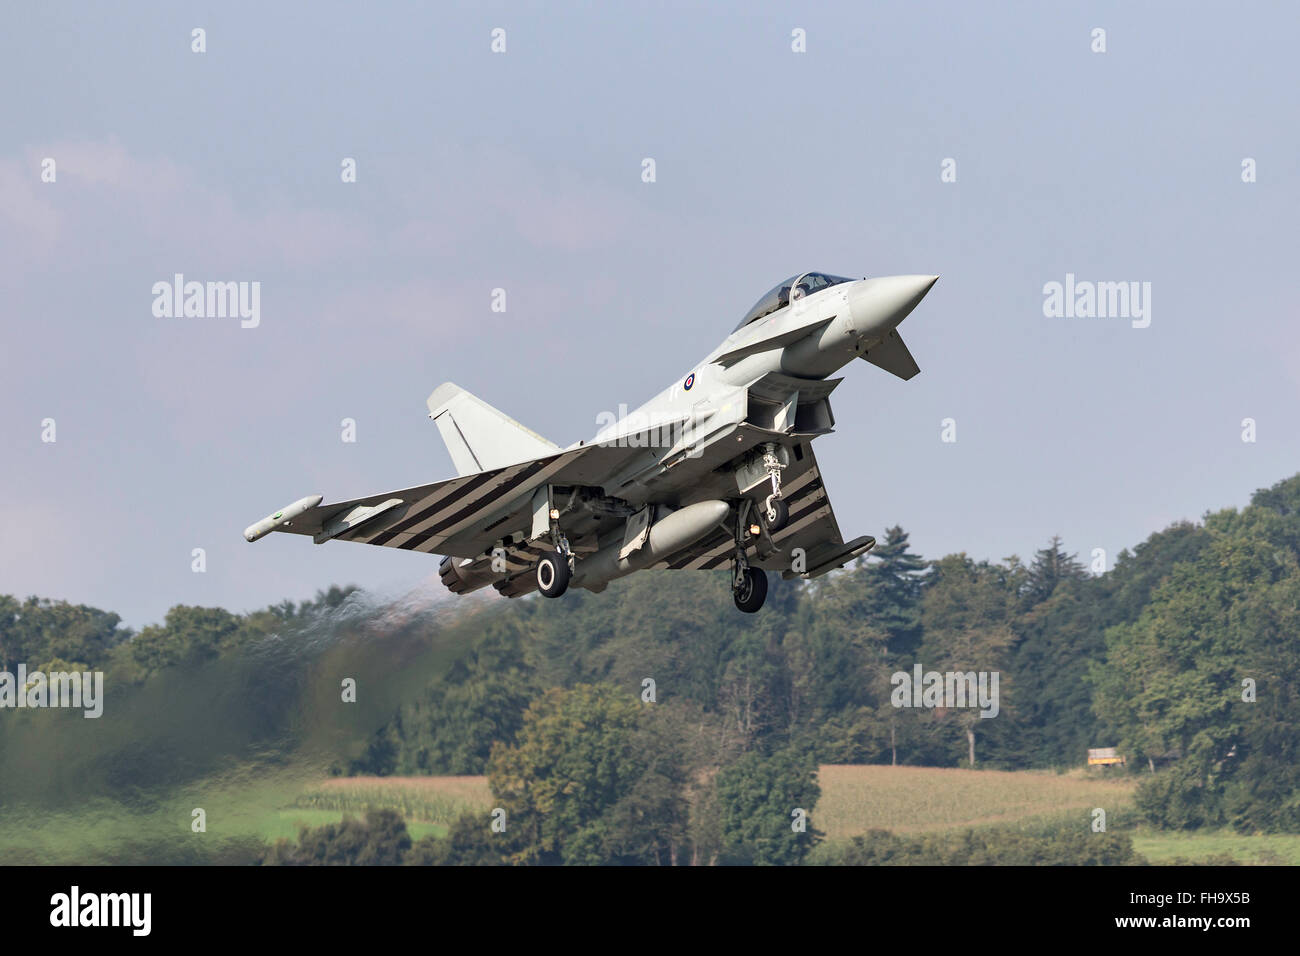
(748, 585)
(553, 574)
(775, 511)
(749, 589)
(555, 568)
(776, 515)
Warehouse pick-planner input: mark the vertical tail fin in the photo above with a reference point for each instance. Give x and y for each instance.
(478, 436)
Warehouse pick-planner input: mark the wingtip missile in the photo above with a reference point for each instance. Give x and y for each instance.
(281, 517)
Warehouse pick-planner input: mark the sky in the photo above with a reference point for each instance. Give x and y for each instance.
(522, 170)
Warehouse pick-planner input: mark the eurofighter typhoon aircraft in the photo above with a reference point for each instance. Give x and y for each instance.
(716, 469)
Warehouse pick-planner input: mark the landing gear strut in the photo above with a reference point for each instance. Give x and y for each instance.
(748, 585)
(776, 513)
(555, 568)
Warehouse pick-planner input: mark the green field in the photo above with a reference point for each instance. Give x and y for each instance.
(1271, 849)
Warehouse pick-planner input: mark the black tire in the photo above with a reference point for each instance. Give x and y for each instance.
(552, 574)
(779, 516)
(753, 592)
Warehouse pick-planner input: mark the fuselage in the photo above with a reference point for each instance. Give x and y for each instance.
(811, 337)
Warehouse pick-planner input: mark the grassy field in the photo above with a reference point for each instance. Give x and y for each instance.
(918, 799)
(1273, 849)
(428, 804)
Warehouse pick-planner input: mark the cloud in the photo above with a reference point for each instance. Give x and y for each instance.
(29, 222)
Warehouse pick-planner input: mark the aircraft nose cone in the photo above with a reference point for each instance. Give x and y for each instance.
(879, 304)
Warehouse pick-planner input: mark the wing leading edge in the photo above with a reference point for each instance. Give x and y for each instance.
(460, 517)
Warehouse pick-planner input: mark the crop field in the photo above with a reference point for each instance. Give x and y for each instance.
(438, 800)
(856, 799)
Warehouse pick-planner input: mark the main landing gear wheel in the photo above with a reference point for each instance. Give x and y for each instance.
(552, 574)
(751, 592)
(776, 515)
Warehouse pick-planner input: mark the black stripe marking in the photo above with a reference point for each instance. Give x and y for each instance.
(427, 507)
(475, 507)
(472, 508)
(816, 502)
(708, 544)
(811, 494)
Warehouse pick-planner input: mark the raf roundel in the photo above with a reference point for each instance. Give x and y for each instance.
(690, 380)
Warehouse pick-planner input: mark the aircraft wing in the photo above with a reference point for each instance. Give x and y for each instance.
(812, 527)
(463, 516)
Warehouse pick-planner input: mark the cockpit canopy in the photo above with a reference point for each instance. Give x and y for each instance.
(779, 297)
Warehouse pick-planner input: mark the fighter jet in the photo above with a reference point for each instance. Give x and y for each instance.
(716, 469)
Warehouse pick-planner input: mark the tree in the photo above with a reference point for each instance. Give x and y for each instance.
(39, 630)
(894, 579)
(1053, 723)
(451, 727)
(470, 841)
(1137, 573)
(649, 823)
(1203, 680)
(572, 777)
(965, 613)
(1051, 566)
(380, 840)
(760, 799)
(187, 635)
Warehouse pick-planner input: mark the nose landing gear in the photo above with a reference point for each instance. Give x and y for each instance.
(775, 511)
(776, 515)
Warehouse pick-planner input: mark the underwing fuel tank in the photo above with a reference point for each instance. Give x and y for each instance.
(668, 535)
